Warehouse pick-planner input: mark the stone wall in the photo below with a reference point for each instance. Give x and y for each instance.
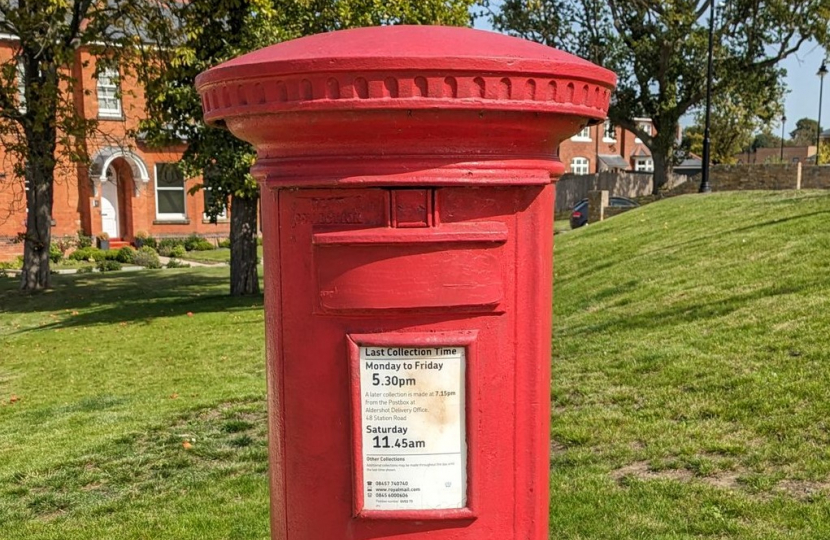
(768, 176)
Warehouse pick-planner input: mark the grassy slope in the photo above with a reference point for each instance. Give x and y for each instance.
(691, 382)
(690, 387)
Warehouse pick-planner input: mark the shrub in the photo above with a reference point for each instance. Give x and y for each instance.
(175, 263)
(87, 253)
(85, 270)
(192, 241)
(109, 265)
(55, 253)
(83, 241)
(151, 242)
(125, 255)
(259, 240)
(147, 257)
(226, 243)
(203, 245)
(178, 251)
(166, 246)
(111, 254)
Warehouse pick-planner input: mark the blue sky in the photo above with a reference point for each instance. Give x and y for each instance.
(803, 83)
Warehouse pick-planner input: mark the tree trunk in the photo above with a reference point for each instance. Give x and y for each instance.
(244, 277)
(40, 179)
(662, 171)
(36, 274)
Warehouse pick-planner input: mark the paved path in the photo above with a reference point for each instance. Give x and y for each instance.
(165, 260)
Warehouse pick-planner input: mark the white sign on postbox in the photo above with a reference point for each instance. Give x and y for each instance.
(413, 427)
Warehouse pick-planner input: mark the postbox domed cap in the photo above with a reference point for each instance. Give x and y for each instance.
(406, 67)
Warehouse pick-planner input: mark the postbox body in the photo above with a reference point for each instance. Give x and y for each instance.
(407, 218)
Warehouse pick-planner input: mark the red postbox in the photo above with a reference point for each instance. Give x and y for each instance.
(407, 208)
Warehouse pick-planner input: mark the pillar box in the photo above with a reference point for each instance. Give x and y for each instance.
(407, 219)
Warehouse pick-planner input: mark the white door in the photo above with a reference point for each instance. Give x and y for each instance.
(109, 205)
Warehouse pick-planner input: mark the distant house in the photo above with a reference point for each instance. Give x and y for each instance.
(607, 147)
(690, 166)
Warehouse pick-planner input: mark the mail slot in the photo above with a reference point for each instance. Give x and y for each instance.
(407, 203)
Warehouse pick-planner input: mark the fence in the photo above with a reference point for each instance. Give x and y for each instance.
(572, 188)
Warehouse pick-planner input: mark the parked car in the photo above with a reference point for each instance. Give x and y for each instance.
(579, 215)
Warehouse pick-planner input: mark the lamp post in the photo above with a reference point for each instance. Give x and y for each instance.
(822, 71)
(704, 181)
(783, 124)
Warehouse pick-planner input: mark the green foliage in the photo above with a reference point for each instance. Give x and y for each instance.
(88, 253)
(166, 246)
(824, 151)
(111, 254)
(805, 132)
(55, 253)
(147, 257)
(225, 243)
(766, 139)
(175, 263)
(197, 243)
(151, 242)
(734, 120)
(83, 240)
(109, 265)
(658, 49)
(126, 255)
(214, 31)
(177, 251)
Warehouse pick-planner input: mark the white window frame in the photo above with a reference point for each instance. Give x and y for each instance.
(580, 165)
(643, 164)
(606, 127)
(645, 126)
(169, 216)
(107, 90)
(21, 87)
(219, 217)
(583, 136)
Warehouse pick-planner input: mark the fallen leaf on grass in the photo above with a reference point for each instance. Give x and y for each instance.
(174, 396)
(186, 445)
(14, 399)
(189, 313)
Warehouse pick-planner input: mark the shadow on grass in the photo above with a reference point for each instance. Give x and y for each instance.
(692, 312)
(89, 299)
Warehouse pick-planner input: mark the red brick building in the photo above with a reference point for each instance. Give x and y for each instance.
(129, 186)
(605, 146)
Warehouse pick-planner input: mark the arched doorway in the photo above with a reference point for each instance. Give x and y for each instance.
(118, 176)
(110, 209)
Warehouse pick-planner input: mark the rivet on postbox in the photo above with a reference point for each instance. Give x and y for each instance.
(407, 206)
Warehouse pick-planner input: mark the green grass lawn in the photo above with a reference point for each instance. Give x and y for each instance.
(220, 255)
(690, 387)
(102, 382)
